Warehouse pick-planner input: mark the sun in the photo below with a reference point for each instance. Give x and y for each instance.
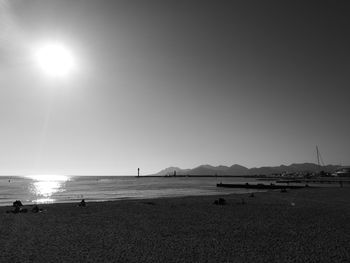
(55, 59)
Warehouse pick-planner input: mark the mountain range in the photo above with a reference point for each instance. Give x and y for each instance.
(239, 170)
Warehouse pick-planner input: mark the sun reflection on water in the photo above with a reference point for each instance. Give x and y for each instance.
(44, 186)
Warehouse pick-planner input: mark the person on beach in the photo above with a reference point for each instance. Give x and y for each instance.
(17, 205)
(82, 203)
(35, 209)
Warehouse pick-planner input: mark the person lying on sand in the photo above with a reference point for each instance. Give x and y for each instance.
(36, 209)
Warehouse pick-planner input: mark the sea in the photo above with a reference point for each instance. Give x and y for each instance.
(46, 189)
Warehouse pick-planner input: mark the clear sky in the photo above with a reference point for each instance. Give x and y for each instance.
(174, 83)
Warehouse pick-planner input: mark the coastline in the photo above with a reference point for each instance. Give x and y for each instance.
(298, 226)
(73, 189)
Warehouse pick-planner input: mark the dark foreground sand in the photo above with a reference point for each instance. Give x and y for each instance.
(308, 225)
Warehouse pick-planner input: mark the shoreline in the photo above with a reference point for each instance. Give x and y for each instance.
(122, 199)
(213, 196)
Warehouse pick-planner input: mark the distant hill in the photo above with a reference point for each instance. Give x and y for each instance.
(239, 170)
(170, 171)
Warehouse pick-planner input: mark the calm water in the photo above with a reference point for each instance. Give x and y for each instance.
(60, 189)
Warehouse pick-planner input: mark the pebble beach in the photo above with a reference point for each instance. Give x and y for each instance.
(304, 225)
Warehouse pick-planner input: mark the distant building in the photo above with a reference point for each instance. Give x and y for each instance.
(343, 172)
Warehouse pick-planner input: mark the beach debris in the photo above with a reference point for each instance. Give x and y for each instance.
(220, 201)
(292, 204)
(243, 201)
(82, 203)
(252, 195)
(283, 190)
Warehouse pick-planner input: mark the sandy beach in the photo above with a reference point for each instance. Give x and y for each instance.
(306, 225)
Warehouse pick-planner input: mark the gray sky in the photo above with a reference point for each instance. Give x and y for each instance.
(174, 83)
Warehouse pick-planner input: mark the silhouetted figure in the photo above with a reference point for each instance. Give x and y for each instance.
(18, 207)
(220, 201)
(138, 172)
(17, 203)
(35, 209)
(82, 203)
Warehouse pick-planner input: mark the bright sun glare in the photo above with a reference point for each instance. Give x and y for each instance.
(55, 59)
(44, 187)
